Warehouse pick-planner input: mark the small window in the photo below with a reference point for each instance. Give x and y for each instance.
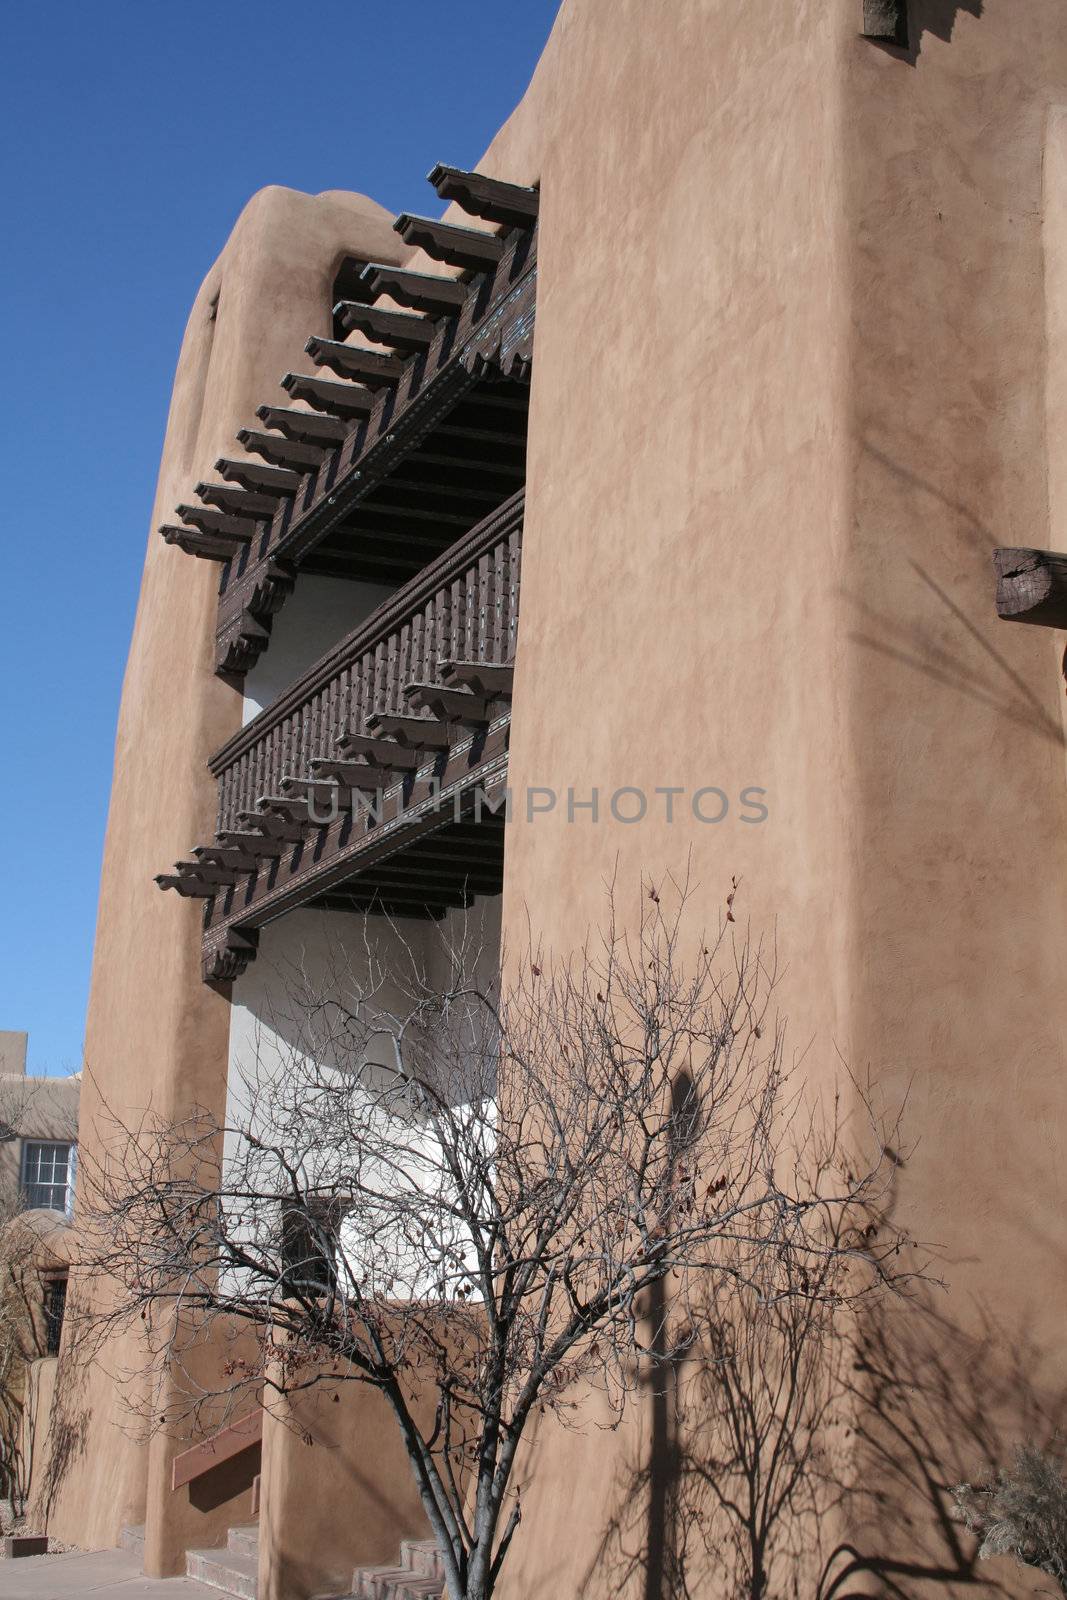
(309, 1247)
(55, 1303)
(48, 1176)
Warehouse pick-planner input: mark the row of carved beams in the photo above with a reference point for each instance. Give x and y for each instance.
(298, 445)
(467, 695)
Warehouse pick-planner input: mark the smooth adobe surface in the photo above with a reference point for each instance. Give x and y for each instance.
(155, 1034)
(792, 292)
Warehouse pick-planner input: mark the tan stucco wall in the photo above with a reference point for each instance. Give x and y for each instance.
(155, 1035)
(33, 1109)
(789, 392)
(338, 1491)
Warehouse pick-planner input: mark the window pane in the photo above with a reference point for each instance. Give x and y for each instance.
(45, 1174)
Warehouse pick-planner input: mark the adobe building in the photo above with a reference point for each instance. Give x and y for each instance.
(746, 345)
(38, 1167)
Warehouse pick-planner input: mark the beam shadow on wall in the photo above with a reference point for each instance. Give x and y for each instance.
(899, 25)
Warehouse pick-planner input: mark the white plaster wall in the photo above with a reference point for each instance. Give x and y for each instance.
(316, 616)
(326, 957)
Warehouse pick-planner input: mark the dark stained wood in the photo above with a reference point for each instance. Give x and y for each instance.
(307, 427)
(418, 733)
(353, 774)
(208, 872)
(281, 452)
(225, 856)
(886, 20)
(344, 400)
(403, 330)
(230, 956)
(469, 248)
(448, 705)
(188, 886)
(507, 203)
(385, 753)
(429, 595)
(251, 842)
(1032, 586)
(405, 859)
(272, 822)
(237, 501)
(254, 475)
(377, 371)
(219, 522)
(420, 291)
(209, 546)
(490, 679)
(475, 371)
(277, 813)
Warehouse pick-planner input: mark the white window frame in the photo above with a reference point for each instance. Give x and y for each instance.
(70, 1162)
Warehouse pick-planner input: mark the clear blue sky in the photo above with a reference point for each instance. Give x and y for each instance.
(133, 134)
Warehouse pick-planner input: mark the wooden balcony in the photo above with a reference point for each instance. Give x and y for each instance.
(397, 445)
(371, 785)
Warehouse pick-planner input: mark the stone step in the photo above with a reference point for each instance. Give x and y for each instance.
(244, 1540)
(423, 1557)
(228, 1570)
(132, 1539)
(394, 1583)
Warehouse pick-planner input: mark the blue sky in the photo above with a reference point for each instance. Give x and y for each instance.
(133, 133)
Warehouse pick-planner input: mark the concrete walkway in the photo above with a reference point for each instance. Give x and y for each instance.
(103, 1574)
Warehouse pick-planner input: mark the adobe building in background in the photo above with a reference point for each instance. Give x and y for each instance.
(686, 438)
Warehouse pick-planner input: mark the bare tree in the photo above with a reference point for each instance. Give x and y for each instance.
(24, 1255)
(506, 1198)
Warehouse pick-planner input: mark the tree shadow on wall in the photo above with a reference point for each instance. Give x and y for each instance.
(66, 1441)
(783, 1462)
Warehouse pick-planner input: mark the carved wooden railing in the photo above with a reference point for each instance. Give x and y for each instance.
(413, 706)
(464, 606)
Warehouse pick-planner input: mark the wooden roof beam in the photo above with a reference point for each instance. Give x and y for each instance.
(189, 887)
(238, 502)
(468, 248)
(208, 546)
(1032, 586)
(339, 399)
(240, 529)
(403, 330)
(417, 733)
(252, 844)
(281, 452)
(448, 705)
(222, 855)
(207, 872)
(254, 475)
(385, 753)
(352, 774)
(510, 204)
(492, 680)
(287, 807)
(466, 491)
(306, 427)
(377, 371)
(420, 291)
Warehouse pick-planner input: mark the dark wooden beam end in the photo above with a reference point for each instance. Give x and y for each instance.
(1032, 587)
(886, 20)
